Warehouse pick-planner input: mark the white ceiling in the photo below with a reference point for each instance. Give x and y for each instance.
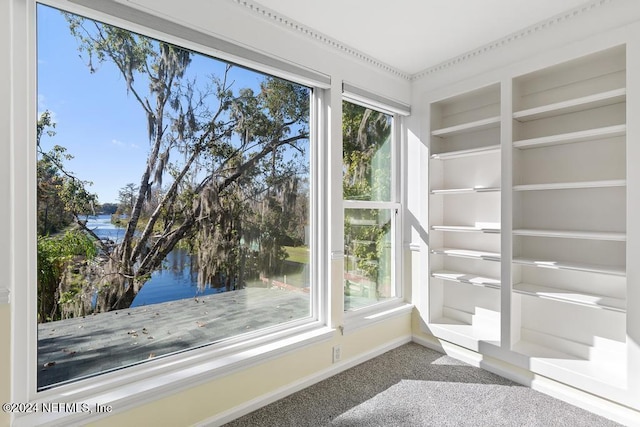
(413, 35)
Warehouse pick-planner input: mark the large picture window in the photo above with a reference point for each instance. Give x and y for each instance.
(371, 210)
(173, 199)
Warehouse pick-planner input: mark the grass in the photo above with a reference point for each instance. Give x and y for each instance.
(299, 254)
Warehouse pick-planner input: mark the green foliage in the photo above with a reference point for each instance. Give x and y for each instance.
(299, 254)
(113, 43)
(52, 216)
(108, 208)
(127, 198)
(366, 176)
(77, 199)
(368, 251)
(366, 153)
(54, 254)
(62, 197)
(367, 239)
(45, 125)
(55, 251)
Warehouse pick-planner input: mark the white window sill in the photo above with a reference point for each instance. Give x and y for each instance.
(150, 381)
(362, 318)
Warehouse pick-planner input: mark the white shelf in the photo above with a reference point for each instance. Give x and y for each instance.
(568, 138)
(578, 104)
(465, 229)
(491, 122)
(573, 297)
(476, 189)
(489, 149)
(571, 185)
(469, 279)
(575, 266)
(467, 253)
(572, 234)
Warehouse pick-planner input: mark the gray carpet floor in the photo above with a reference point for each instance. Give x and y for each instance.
(416, 386)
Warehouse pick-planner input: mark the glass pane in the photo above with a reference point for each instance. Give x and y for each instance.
(366, 139)
(368, 275)
(173, 199)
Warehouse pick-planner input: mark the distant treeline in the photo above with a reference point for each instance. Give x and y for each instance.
(108, 208)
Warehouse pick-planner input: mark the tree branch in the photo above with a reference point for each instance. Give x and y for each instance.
(268, 149)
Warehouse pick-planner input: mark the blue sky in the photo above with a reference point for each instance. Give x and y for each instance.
(102, 126)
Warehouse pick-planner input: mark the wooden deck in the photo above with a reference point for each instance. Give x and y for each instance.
(80, 347)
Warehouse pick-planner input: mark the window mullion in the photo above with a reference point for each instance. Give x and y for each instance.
(362, 204)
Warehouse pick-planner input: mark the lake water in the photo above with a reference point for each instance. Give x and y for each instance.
(174, 281)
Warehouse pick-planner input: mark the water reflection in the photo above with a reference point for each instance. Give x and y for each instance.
(178, 277)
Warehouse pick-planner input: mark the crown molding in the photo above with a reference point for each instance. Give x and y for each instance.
(526, 32)
(292, 25)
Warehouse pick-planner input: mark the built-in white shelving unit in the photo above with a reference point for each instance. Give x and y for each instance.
(569, 219)
(564, 140)
(464, 200)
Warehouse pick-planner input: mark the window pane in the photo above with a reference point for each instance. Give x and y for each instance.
(366, 136)
(368, 256)
(173, 199)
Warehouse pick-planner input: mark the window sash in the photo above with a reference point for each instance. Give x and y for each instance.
(395, 158)
(394, 208)
(368, 100)
(365, 204)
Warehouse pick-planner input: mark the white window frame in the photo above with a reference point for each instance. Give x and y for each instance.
(164, 376)
(361, 317)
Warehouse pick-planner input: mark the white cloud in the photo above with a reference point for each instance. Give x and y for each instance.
(42, 107)
(118, 143)
(41, 102)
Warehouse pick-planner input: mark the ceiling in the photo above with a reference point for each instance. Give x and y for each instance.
(414, 35)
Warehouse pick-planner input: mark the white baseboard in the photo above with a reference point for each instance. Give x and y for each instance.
(259, 402)
(603, 407)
